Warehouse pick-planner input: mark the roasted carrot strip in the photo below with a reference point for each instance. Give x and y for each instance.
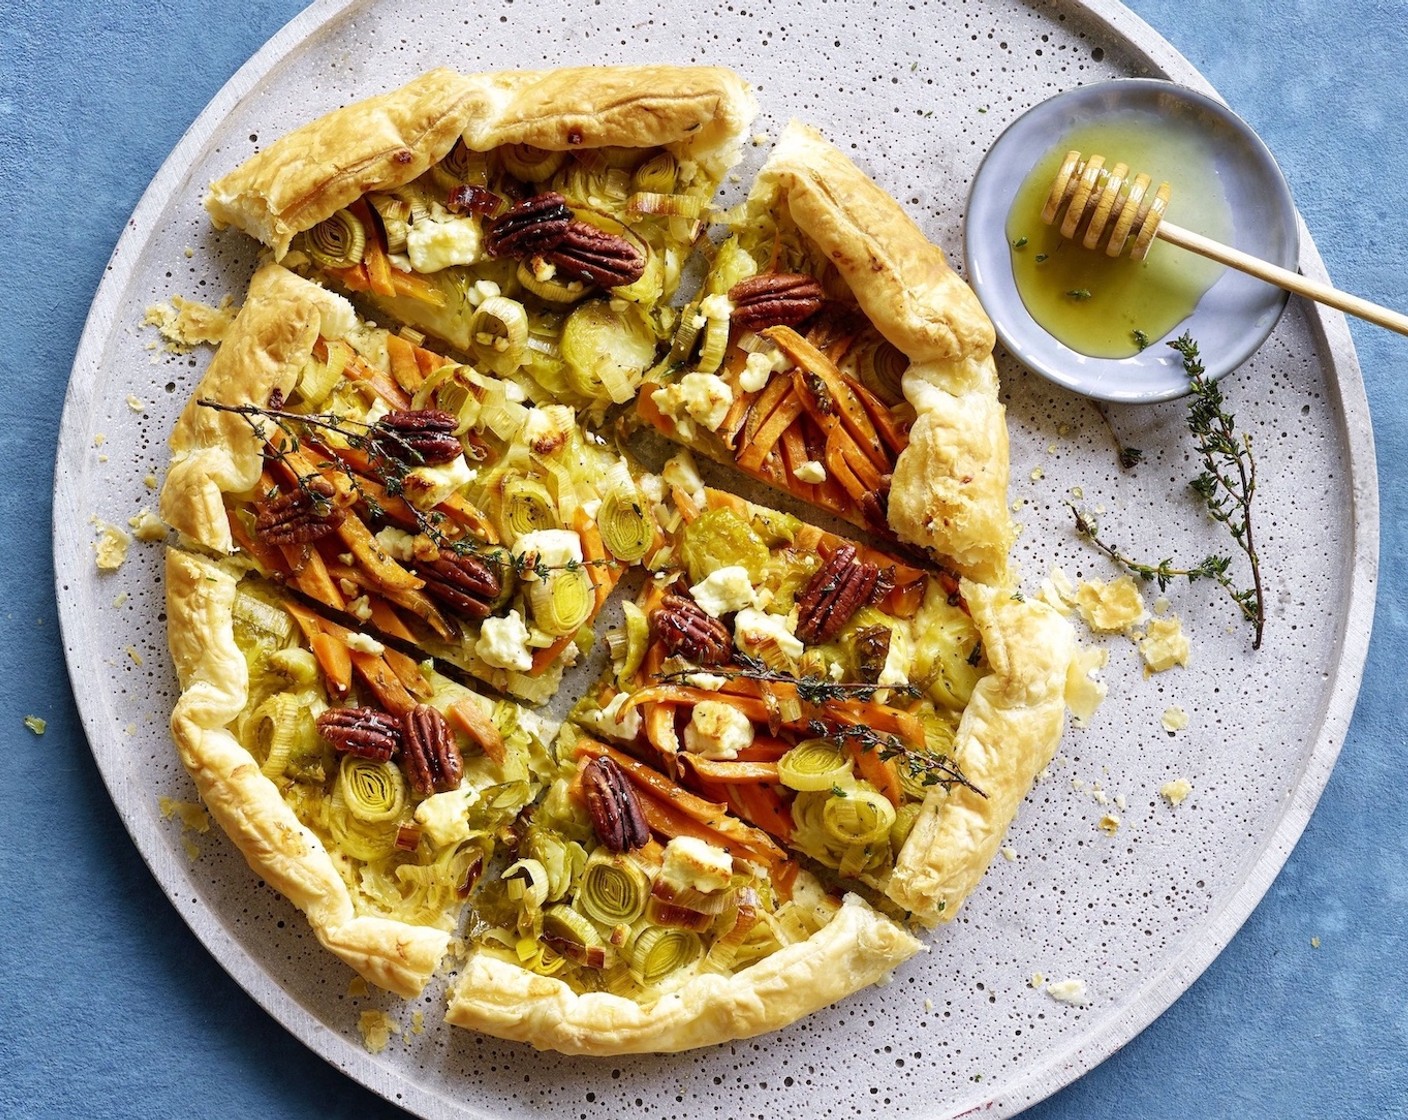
(335, 659)
(468, 717)
(879, 772)
(355, 369)
(846, 403)
(660, 728)
(893, 430)
(754, 709)
(373, 256)
(383, 682)
(766, 404)
(729, 773)
(764, 748)
(270, 560)
(415, 287)
(684, 503)
(794, 454)
(756, 450)
(409, 674)
(385, 619)
(428, 361)
(649, 411)
(464, 512)
(310, 575)
(374, 561)
(762, 806)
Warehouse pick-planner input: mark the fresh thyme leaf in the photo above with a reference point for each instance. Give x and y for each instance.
(1041, 257)
(1020, 243)
(1129, 457)
(1141, 339)
(1078, 294)
(1226, 486)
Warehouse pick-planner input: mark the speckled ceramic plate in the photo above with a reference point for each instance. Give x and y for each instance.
(917, 92)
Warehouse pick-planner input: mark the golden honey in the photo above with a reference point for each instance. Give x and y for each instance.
(1108, 307)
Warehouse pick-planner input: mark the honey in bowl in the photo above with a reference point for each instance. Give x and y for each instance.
(1108, 307)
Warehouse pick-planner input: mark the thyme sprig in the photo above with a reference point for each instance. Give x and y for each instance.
(1226, 486)
(928, 769)
(810, 690)
(391, 471)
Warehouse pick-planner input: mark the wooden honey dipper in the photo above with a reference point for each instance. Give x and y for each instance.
(1109, 199)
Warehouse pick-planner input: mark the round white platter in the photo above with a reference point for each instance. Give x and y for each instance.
(917, 93)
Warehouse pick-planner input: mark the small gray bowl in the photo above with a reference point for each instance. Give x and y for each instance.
(1234, 316)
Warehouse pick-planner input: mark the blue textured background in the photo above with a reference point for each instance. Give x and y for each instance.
(110, 1007)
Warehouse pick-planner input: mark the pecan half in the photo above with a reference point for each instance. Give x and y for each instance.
(689, 631)
(533, 226)
(837, 591)
(423, 436)
(467, 584)
(428, 751)
(604, 259)
(775, 299)
(615, 810)
(299, 516)
(366, 732)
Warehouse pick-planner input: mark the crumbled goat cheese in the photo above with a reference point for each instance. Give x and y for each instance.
(1176, 791)
(755, 628)
(725, 591)
(811, 471)
(432, 246)
(503, 643)
(696, 864)
(717, 730)
(1164, 645)
(1110, 607)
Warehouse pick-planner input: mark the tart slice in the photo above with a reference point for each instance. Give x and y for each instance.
(834, 355)
(368, 790)
(876, 720)
(416, 495)
(536, 222)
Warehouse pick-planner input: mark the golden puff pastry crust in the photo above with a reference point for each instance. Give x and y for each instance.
(949, 490)
(1007, 736)
(247, 805)
(216, 453)
(857, 948)
(697, 112)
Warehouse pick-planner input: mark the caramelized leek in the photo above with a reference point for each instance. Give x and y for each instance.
(527, 882)
(637, 638)
(614, 888)
(562, 859)
(657, 174)
(665, 205)
(364, 840)
(656, 953)
(815, 764)
(548, 286)
(625, 527)
(527, 507)
(574, 936)
(498, 333)
(905, 816)
(337, 242)
(373, 791)
(529, 164)
(562, 602)
(395, 215)
(275, 730)
(860, 814)
(461, 167)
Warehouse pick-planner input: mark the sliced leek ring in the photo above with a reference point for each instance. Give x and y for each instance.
(573, 935)
(657, 175)
(655, 953)
(652, 203)
(863, 816)
(529, 164)
(637, 639)
(337, 242)
(526, 508)
(275, 731)
(498, 333)
(614, 888)
(545, 284)
(815, 764)
(563, 602)
(395, 215)
(626, 527)
(373, 791)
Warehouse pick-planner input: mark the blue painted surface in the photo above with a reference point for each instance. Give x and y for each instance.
(110, 1007)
